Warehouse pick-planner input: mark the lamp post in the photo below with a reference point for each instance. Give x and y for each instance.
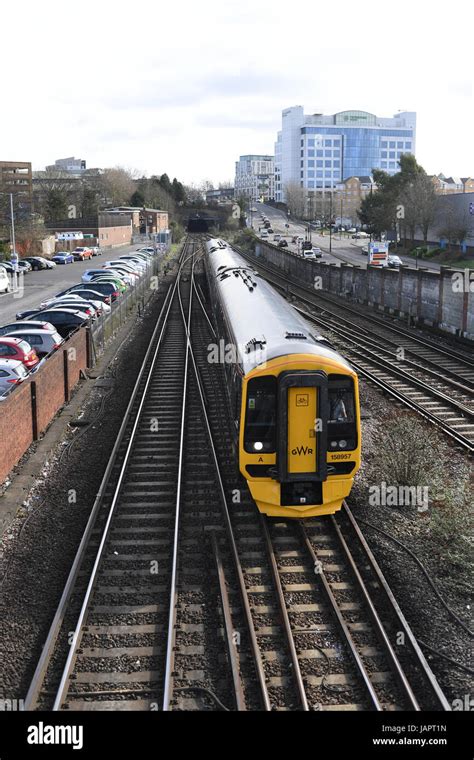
(330, 221)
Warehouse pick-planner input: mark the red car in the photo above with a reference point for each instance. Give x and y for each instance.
(80, 253)
(18, 350)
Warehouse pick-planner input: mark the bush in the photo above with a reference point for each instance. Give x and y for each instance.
(450, 527)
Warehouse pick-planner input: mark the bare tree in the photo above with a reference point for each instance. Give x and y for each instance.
(295, 199)
(118, 186)
(454, 225)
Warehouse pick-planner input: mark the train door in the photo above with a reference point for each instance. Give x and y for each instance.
(302, 428)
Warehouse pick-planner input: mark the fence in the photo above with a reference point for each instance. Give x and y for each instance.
(443, 300)
(27, 412)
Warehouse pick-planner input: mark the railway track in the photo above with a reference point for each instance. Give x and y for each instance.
(437, 383)
(183, 597)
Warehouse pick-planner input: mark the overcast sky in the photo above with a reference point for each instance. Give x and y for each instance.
(186, 87)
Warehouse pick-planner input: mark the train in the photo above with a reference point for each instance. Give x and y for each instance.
(294, 400)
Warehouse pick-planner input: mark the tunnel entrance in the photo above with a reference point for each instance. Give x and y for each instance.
(199, 224)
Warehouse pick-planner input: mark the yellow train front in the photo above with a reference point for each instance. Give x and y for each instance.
(294, 399)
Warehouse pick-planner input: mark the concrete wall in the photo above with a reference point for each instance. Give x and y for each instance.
(443, 300)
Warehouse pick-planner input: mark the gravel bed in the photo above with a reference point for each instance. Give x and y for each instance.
(42, 542)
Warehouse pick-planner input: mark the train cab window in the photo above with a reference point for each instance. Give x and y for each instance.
(342, 428)
(261, 415)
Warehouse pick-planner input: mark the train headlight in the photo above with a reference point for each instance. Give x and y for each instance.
(258, 445)
(334, 444)
(342, 444)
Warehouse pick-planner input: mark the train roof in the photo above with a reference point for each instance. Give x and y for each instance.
(263, 323)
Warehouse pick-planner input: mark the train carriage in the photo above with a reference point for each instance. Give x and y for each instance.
(294, 399)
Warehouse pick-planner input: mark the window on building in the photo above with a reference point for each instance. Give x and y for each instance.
(337, 164)
(400, 145)
(311, 173)
(327, 143)
(319, 163)
(310, 153)
(391, 154)
(328, 153)
(408, 146)
(337, 143)
(392, 145)
(392, 165)
(319, 173)
(311, 183)
(311, 143)
(327, 163)
(384, 154)
(311, 163)
(384, 165)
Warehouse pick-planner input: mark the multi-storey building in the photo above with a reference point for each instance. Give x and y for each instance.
(255, 177)
(15, 179)
(349, 195)
(70, 165)
(450, 185)
(317, 152)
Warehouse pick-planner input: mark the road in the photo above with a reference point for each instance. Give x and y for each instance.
(37, 286)
(345, 250)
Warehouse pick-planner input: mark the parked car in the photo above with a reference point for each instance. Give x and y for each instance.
(27, 324)
(12, 373)
(63, 257)
(4, 280)
(127, 266)
(352, 230)
(42, 341)
(7, 266)
(142, 263)
(24, 266)
(73, 301)
(394, 261)
(364, 250)
(111, 278)
(50, 264)
(19, 350)
(37, 262)
(89, 274)
(96, 250)
(282, 244)
(65, 320)
(91, 295)
(360, 235)
(148, 249)
(81, 253)
(277, 237)
(108, 289)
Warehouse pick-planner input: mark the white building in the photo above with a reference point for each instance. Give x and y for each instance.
(317, 152)
(71, 165)
(255, 177)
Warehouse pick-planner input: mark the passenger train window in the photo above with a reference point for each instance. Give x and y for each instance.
(260, 415)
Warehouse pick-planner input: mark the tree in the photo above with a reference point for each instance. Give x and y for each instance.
(178, 192)
(295, 199)
(137, 199)
(454, 224)
(118, 186)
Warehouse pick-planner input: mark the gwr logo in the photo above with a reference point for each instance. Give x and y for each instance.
(299, 450)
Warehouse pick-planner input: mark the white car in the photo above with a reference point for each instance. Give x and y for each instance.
(99, 306)
(394, 262)
(12, 373)
(4, 281)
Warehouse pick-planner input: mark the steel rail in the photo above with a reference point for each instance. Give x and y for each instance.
(34, 690)
(341, 622)
(404, 626)
(257, 657)
(228, 626)
(296, 670)
(169, 661)
(380, 630)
